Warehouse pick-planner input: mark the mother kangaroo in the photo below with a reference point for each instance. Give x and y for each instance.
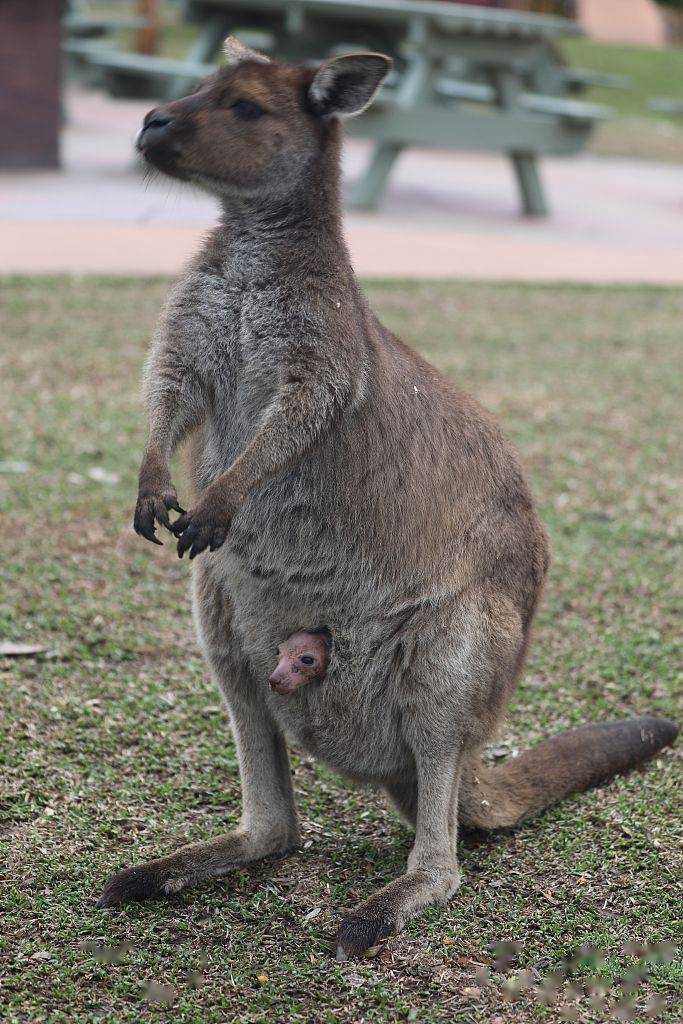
(342, 482)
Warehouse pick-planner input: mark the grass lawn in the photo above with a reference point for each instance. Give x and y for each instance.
(113, 745)
(652, 73)
(635, 130)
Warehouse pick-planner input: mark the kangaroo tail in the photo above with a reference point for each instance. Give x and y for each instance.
(503, 795)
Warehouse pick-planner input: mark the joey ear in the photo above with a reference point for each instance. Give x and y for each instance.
(235, 52)
(345, 86)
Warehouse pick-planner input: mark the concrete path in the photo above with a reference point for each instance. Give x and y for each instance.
(634, 22)
(446, 214)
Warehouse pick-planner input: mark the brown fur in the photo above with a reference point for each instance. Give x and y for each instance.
(339, 479)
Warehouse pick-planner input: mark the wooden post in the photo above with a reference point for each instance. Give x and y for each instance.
(30, 110)
(147, 38)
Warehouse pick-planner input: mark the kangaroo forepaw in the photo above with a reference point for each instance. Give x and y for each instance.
(358, 933)
(153, 508)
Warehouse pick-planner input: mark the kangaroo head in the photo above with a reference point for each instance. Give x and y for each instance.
(256, 125)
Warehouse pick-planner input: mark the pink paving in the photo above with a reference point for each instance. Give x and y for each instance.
(446, 214)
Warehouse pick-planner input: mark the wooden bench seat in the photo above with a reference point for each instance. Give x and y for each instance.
(477, 92)
(126, 74)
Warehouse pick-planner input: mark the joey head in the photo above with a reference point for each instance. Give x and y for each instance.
(302, 659)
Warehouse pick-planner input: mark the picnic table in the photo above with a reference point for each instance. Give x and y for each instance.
(80, 22)
(464, 77)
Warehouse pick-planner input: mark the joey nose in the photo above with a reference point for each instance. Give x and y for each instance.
(277, 677)
(279, 683)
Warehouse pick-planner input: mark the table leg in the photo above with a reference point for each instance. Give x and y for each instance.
(205, 48)
(368, 191)
(530, 184)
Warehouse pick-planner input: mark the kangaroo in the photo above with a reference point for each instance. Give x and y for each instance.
(316, 430)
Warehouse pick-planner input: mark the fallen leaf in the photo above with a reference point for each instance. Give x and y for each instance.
(568, 1012)
(155, 992)
(655, 1005)
(12, 650)
(104, 954)
(103, 476)
(354, 980)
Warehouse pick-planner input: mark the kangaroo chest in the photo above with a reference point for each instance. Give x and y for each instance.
(242, 359)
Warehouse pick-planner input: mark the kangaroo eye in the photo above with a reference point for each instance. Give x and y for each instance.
(306, 659)
(246, 110)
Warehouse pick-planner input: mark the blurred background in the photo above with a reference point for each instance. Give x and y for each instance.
(538, 139)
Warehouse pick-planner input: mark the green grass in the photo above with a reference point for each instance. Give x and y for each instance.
(113, 746)
(652, 73)
(635, 130)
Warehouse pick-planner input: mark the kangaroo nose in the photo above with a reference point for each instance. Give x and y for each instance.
(156, 119)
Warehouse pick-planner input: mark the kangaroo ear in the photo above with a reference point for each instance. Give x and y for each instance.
(345, 86)
(235, 52)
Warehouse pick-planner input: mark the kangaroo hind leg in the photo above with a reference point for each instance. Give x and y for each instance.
(269, 824)
(458, 674)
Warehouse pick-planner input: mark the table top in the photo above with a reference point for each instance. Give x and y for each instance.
(448, 17)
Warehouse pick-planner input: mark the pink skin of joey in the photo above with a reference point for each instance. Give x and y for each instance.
(302, 658)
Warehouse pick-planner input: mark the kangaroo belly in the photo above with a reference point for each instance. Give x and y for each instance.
(351, 719)
(316, 547)
(343, 725)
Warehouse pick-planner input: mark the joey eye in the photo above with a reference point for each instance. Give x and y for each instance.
(247, 110)
(306, 659)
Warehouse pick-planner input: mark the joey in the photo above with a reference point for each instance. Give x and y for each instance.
(302, 659)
